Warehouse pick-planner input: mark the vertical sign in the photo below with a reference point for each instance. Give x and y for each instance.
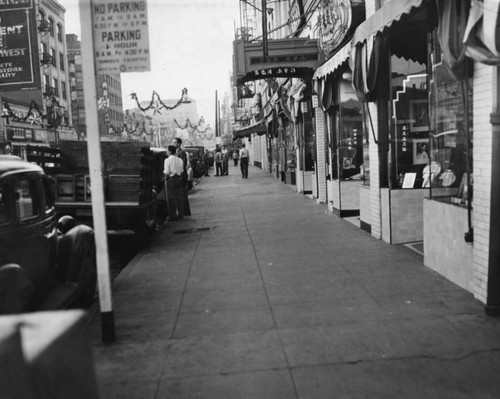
(19, 64)
(121, 37)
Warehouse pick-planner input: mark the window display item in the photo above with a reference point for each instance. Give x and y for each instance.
(447, 178)
(430, 172)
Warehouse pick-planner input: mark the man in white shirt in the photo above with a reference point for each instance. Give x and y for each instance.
(173, 169)
(244, 159)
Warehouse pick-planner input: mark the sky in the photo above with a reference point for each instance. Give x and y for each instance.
(190, 45)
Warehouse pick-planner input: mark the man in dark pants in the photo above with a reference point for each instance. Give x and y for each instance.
(206, 162)
(173, 169)
(244, 159)
(177, 143)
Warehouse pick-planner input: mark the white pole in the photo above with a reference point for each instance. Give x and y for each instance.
(96, 178)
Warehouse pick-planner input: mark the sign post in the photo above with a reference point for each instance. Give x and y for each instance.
(120, 43)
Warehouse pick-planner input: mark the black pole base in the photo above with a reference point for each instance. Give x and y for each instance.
(108, 327)
(493, 311)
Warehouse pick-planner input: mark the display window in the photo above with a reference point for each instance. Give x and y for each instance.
(346, 134)
(410, 123)
(450, 168)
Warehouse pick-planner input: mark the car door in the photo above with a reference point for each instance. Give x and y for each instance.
(33, 237)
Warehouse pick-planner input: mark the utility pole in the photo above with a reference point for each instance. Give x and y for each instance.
(264, 29)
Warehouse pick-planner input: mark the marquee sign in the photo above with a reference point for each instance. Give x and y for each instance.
(19, 63)
(296, 57)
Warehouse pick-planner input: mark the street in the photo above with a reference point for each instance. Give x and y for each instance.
(261, 294)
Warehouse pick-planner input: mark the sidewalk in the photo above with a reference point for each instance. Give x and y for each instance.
(275, 298)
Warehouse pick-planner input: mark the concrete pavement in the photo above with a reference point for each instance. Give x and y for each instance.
(263, 294)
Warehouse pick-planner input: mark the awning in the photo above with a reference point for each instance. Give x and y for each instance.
(333, 62)
(259, 128)
(384, 18)
(482, 34)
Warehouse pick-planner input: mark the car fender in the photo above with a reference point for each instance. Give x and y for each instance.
(17, 293)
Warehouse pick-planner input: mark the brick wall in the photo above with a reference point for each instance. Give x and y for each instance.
(482, 157)
(320, 149)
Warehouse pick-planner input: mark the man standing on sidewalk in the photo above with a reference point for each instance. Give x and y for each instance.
(225, 161)
(244, 159)
(177, 143)
(173, 168)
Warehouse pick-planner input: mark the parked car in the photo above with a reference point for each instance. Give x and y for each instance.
(44, 263)
(196, 159)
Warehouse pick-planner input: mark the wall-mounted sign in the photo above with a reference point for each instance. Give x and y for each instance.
(121, 36)
(296, 16)
(19, 63)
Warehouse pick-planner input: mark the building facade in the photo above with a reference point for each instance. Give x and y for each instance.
(41, 113)
(405, 121)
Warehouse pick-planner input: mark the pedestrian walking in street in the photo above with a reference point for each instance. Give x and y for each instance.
(177, 143)
(173, 169)
(235, 157)
(206, 162)
(218, 162)
(244, 160)
(225, 161)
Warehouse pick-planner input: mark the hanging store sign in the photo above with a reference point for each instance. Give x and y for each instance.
(297, 57)
(19, 63)
(121, 37)
(334, 21)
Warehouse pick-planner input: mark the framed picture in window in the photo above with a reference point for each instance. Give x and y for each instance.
(420, 151)
(419, 115)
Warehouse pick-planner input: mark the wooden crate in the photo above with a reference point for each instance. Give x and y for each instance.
(123, 188)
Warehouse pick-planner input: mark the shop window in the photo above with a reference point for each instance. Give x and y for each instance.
(409, 123)
(450, 143)
(346, 134)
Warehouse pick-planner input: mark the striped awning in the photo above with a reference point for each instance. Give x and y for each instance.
(259, 128)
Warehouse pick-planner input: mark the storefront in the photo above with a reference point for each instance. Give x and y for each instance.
(390, 75)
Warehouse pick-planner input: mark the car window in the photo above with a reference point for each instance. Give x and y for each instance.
(5, 211)
(26, 205)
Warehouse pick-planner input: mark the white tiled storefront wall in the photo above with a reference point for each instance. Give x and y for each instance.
(445, 248)
(375, 205)
(364, 204)
(483, 91)
(320, 148)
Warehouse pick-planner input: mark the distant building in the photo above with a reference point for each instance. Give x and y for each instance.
(109, 91)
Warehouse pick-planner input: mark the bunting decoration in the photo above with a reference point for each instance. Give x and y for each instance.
(156, 104)
(33, 116)
(201, 133)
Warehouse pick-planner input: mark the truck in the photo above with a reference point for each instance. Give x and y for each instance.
(132, 176)
(46, 263)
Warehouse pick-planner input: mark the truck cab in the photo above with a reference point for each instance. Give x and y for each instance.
(29, 239)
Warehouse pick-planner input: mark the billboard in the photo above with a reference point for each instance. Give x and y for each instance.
(19, 62)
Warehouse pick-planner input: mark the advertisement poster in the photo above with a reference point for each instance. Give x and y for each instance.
(19, 63)
(121, 36)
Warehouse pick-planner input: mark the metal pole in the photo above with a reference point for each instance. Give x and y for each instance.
(264, 29)
(96, 180)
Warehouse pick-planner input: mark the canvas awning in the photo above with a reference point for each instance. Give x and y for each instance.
(333, 62)
(259, 128)
(384, 18)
